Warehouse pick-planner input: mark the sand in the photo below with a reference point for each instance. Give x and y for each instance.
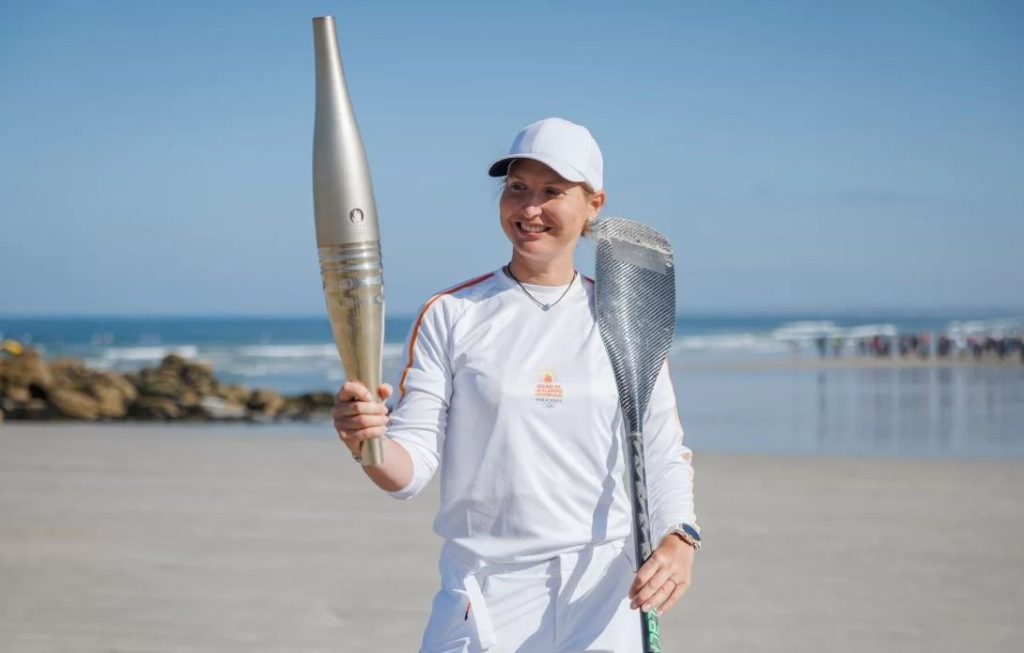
(135, 539)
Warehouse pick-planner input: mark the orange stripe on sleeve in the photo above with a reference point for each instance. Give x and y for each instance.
(419, 320)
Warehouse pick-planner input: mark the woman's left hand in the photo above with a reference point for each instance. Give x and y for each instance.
(664, 577)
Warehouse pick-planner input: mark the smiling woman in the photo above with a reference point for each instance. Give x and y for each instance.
(509, 392)
(553, 189)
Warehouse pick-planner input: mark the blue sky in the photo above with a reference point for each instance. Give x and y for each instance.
(155, 156)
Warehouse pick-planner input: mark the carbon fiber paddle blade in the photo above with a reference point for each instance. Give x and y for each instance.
(636, 308)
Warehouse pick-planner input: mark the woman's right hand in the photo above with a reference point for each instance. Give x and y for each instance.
(357, 416)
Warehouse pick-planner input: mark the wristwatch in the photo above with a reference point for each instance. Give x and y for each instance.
(687, 533)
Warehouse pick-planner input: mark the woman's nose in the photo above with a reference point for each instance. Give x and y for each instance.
(531, 209)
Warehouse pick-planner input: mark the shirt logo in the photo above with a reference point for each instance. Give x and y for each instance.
(548, 393)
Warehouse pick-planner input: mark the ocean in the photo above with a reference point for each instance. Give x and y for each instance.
(956, 411)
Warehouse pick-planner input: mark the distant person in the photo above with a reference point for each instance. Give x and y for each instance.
(508, 392)
(822, 343)
(924, 345)
(976, 346)
(1001, 349)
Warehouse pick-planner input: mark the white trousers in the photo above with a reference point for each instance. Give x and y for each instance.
(569, 604)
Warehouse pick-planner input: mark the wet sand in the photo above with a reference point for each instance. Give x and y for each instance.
(186, 539)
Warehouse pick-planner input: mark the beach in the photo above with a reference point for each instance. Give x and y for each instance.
(136, 538)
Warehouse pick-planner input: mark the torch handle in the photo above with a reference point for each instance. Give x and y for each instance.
(354, 290)
(372, 452)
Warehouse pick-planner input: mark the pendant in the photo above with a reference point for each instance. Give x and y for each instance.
(546, 306)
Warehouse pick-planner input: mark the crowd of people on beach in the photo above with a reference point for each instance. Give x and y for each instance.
(926, 345)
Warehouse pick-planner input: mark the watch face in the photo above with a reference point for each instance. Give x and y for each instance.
(692, 532)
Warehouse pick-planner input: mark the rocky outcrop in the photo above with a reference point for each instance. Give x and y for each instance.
(75, 405)
(27, 371)
(176, 389)
(308, 406)
(150, 409)
(265, 403)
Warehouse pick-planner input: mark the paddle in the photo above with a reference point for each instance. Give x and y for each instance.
(636, 306)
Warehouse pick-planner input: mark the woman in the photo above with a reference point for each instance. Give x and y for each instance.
(509, 391)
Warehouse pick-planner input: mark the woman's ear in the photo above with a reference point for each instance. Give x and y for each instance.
(596, 202)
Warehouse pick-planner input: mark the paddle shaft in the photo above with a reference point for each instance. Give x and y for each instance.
(650, 629)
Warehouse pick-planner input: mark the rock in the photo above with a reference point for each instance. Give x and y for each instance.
(319, 400)
(235, 394)
(19, 395)
(189, 398)
(154, 408)
(25, 371)
(293, 409)
(70, 373)
(159, 383)
(34, 409)
(112, 404)
(190, 403)
(199, 377)
(308, 406)
(266, 403)
(112, 392)
(176, 379)
(217, 408)
(173, 364)
(75, 405)
(194, 375)
(175, 389)
(121, 384)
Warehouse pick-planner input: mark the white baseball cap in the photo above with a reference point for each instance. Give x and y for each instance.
(563, 146)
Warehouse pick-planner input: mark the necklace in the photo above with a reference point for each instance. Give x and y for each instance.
(543, 306)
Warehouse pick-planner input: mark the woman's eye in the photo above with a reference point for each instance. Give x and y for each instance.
(516, 186)
(554, 192)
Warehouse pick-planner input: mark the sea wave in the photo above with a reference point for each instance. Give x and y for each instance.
(996, 327)
(287, 351)
(146, 354)
(305, 351)
(808, 331)
(727, 342)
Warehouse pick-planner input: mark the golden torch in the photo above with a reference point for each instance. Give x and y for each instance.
(347, 235)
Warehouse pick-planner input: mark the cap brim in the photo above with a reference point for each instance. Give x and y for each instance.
(500, 167)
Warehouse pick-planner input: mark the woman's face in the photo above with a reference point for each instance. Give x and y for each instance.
(542, 213)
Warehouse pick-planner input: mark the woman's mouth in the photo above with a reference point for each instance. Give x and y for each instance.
(532, 228)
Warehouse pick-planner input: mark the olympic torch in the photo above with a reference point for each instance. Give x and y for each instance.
(347, 235)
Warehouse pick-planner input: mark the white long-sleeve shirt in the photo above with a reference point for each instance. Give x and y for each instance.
(518, 408)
